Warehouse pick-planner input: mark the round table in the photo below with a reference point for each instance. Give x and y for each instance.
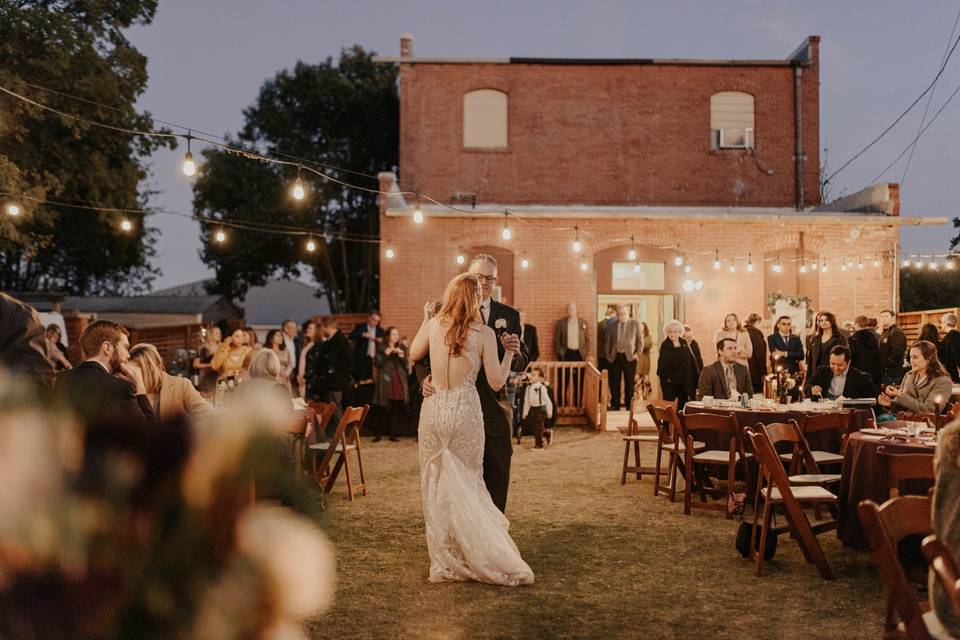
(864, 477)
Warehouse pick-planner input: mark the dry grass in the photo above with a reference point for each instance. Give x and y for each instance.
(610, 561)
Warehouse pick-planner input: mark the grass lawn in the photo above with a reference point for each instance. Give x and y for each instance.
(611, 561)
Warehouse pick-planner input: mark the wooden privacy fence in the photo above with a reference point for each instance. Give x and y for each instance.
(581, 392)
(911, 321)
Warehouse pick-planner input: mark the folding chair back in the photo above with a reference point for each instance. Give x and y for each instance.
(839, 422)
(945, 567)
(886, 526)
(727, 453)
(322, 413)
(906, 466)
(789, 432)
(664, 415)
(340, 444)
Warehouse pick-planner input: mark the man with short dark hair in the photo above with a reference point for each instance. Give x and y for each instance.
(364, 337)
(726, 378)
(865, 349)
(786, 349)
(104, 385)
(893, 346)
(950, 345)
(840, 378)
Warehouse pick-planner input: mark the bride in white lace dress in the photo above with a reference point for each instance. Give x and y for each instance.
(467, 536)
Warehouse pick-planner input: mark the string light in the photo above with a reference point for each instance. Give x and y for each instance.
(687, 268)
(859, 262)
(678, 260)
(220, 236)
(389, 253)
(849, 263)
(506, 234)
(733, 267)
(524, 263)
(13, 209)
(750, 263)
(716, 259)
(126, 225)
(636, 268)
(876, 262)
(934, 265)
(311, 245)
(948, 264)
(584, 266)
(823, 267)
(577, 246)
(298, 191)
(813, 264)
(632, 254)
(843, 266)
(803, 265)
(418, 214)
(777, 267)
(688, 285)
(699, 285)
(189, 166)
(461, 259)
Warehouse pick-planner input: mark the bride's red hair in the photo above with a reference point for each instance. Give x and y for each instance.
(461, 306)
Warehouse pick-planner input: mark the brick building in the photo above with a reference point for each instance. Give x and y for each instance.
(690, 161)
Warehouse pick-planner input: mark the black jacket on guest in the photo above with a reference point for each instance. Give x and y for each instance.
(818, 353)
(530, 339)
(950, 354)
(327, 367)
(792, 346)
(96, 394)
(893, 346)
(676, 365)
(857, 385)
(865, 353)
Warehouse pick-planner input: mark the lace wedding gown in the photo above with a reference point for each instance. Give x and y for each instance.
(467, 536)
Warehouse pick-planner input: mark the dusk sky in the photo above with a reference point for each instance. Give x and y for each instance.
(208, 58)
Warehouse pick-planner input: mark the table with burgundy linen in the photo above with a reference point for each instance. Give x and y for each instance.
(864, 477)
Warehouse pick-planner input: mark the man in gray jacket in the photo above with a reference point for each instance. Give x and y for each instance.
(624, 344)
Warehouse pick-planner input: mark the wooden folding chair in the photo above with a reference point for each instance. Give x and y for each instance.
(346, 439)
(695, 464)
(906, 466)
(634, 437)
(945, 568)
(317, 418)
(801, 460)
(775, 491)
(670, 440)
(824, 422)
(885, 526)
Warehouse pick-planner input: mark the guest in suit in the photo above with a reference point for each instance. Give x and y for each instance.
(726, 378)
(758, 360)
(328, 368)
(733, 330)
(826, 336)
(786, 350)
(950, 345)
(865, 350)
(893, 346)
(497, 414)
(572, 345)
(624, 345)
(22, 346)
(676, 366)
(364, 337)
(694, 347)
(924, 387)
(610, 317)
(840, 378)
(528, 336)
(391, 392)
(104, 385)
(169, 395)
(292, 344)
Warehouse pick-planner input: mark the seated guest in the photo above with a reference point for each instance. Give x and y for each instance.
(923, 387)
(537, 407)
(169, 395)
(865, 350)
(229, 360)
(945, 520)
(266, 372)
(56, 351)
(725, 378)
(22, 347)
(104, 384)
(840, 378)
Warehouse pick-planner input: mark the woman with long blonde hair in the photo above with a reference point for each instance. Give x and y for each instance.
(169, 395)
(451, 436)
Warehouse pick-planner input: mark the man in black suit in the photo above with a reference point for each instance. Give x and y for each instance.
(950, 345)
(497, 414)
(726, 378)
(104, 385)
(528, 335)
(364, 337)
(893, 346)
(840, 379)
(328, 369)
(786, 349)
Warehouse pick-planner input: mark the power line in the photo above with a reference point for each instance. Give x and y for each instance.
(899, 118)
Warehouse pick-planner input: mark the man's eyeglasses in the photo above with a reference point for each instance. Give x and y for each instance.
(490, 279)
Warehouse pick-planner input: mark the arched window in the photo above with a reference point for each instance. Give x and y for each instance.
(485, 119)
(731, 120)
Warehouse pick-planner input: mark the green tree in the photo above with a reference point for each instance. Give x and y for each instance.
(344, 115)
(77, 47)
(924, 289)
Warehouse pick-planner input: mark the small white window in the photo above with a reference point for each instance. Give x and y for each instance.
(485, 119)
(637, 275)
(731, 120)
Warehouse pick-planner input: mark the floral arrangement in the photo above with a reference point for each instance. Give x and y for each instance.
(116, 530)
(781, 383)
(793, 301)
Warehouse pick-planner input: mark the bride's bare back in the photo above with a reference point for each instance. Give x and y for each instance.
(452, 372)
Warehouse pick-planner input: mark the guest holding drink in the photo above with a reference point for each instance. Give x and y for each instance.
(925, 388)
(229, 360)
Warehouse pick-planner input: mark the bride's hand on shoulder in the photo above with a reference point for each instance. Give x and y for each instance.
(427, 310)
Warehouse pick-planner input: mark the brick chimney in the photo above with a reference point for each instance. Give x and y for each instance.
(406, 45)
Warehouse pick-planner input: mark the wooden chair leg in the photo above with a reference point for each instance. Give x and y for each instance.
(636, 456)
(626, 458)
(346, 470)
(674, 462)
(334, 473)
(763, 536)
(688, 481)
(656, 473)
(731, 474)
(363, 479)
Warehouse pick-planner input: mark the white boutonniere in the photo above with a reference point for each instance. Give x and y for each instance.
(501, 323)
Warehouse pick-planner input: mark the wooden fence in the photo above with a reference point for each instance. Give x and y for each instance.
(911, 321)
(581, 392)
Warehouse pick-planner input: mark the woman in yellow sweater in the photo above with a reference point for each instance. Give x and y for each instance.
(228, 362)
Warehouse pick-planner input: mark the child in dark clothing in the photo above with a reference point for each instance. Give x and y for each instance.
(537, 408)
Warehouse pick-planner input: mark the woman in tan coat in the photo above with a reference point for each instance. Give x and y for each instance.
(170, 395)
(924, 387)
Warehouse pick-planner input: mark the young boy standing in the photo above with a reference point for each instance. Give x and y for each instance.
(537, 407)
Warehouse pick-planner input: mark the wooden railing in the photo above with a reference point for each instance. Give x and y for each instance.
(580, 390)
(911, 321)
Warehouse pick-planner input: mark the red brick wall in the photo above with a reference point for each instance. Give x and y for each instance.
(637, 134)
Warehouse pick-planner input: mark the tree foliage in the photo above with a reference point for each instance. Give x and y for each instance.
(345, 115)
(77, 47)
(922, 289)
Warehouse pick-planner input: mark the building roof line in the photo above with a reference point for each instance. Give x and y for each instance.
(600, 62)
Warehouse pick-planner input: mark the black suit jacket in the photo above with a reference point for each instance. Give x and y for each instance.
(96, 394)
(327, 366)
(531, 341)
(893, 344)
(858, 384)
(950, 358)
(792, 346)
(360, 356)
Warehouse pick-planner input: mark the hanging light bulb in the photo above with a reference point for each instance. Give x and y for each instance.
(311, 245)
(823, 267)
(126, 225)
(632, 253)
(418, 214)
(716, 259)
(577, 246)
(876, 262)
(506, 234)
(813, 264)
(859, 262)
(584, 266)
(849, 263)
(934, 265)
(803, 265)
(948, 264)
(298, 192)
(220, 236)
(687, 268)
(733, 266)
(750, 262)
(777, 267)
(461, 258)
(13, 209)
(688, 285)
(189, 166)
(843, 266)
(699, 285)
(389, 253)
(678, 260)
(636, 267)
(524, 263)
